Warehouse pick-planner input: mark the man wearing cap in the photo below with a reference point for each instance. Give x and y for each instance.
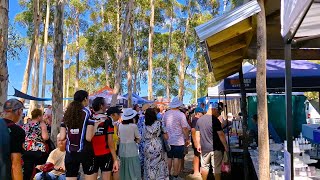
(178, 131)
(211, 141)
(115, 114)
(13, 110)
(196, 159)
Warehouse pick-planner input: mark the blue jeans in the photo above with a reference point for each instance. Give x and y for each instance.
(50, 176)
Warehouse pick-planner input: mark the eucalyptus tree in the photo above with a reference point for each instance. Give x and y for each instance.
(4, 20)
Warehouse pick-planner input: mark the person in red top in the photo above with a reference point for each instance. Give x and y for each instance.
(103, 145)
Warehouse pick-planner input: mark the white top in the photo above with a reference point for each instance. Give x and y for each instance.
(175, 121)
(128, 132)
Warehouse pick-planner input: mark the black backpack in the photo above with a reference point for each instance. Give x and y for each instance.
(5, 156)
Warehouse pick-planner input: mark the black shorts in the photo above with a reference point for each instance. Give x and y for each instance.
(103, 162)
(176, 152)
(74, 159)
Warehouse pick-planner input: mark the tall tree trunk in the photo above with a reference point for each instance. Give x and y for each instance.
(121, 54)
(150, 51)
(106, 56)
(33, 46)
(130, 66)
(183, 57)
(263, 139)
(168, 56)
(4, 18)
(64, 69)
(45, 44)
(36, 65)
(106, 67)
(58, 70)
(68, 87)
(78, 50)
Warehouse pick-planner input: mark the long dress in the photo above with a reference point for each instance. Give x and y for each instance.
(130, 165)
(155, 166)
(141, 127)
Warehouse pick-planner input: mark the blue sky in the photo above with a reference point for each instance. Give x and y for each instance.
(17, 66)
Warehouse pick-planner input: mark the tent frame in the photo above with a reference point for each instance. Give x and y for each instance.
(288, 40)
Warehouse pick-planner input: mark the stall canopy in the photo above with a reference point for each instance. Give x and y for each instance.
(301, 19)
(138, 99)
(305, 77)
(226, 39)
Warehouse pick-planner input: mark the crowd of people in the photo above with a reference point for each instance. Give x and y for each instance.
(148, 142)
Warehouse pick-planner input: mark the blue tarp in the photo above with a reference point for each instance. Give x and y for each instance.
(140, 99)
(305, 77)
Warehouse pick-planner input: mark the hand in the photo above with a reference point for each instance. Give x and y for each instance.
(226, 148)
(199, 149)
(187, 143)
(39, 167)
(115, 166)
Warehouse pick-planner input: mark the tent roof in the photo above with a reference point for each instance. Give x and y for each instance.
(292, 12)
(305, 77)
(227, 38)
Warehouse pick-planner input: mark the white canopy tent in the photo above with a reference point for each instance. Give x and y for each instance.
(300, 22)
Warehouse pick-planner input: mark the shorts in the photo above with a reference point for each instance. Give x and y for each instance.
(104, 163)
(74, 159)
(213, 158)
(176, 152)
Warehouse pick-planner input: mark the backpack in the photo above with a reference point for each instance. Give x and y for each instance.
(5, 157)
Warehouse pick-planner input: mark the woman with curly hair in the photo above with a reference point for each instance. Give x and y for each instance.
(78, 127)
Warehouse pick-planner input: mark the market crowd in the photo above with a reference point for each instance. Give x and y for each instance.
(148, 142)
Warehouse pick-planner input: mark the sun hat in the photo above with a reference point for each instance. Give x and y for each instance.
(229, 115)
(128, 113)
(175, 103)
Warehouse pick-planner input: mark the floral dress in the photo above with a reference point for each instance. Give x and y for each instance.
(141, 127)
(33, 139)
(155, 166)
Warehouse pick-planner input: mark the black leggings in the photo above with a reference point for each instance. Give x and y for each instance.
(30, 160)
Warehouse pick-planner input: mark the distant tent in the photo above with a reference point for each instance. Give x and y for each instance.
(305, 77)
(139, 99)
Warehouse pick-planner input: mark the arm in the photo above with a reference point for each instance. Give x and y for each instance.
(113, 153)
(16, 168)
(136, 134)
(44, 131)
(197, 141)
(63, 133)
(89, 132)
(222, 138)
(193, 134)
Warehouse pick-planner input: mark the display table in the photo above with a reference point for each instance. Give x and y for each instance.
(277, 168)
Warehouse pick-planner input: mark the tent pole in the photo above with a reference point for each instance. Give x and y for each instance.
(288, 87)
(226, 114)
(244, 124)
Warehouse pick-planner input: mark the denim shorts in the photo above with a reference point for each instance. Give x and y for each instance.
(176, 152)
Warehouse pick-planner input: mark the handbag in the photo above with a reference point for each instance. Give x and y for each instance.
(166, 147)
(226, 166)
